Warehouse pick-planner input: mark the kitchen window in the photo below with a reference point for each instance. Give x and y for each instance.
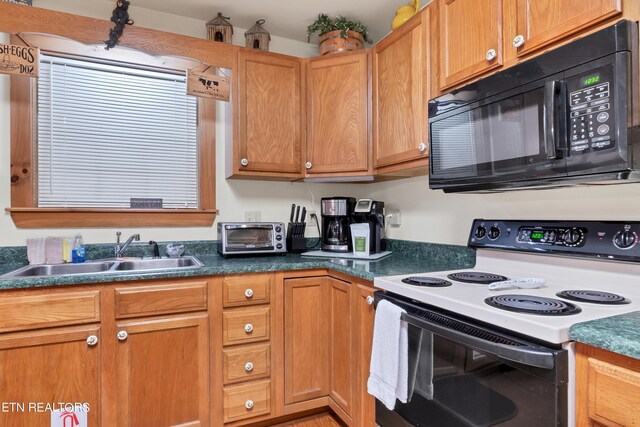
(111, 133)
(103, 132)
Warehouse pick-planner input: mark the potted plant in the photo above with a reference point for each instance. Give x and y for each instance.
(338, 34)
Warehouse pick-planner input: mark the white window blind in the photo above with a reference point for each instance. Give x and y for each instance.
(109, 133)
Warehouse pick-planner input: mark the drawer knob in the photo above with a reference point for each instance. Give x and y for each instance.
(518, 41)
(308, 165)
(422, 147)
(248, 367)
(248, 328)
(92, 340)
(370, 300)
(248, 293)
(491, 55)
(122, 335)
(249, 404)
(244, 162)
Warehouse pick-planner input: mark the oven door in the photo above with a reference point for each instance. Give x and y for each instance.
(468, 375)
(519, 135)
(248, 237)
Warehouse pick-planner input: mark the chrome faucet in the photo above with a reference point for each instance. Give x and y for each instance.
(120, 248)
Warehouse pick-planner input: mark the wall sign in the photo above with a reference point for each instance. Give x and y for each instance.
(207, 84)
(20, 60)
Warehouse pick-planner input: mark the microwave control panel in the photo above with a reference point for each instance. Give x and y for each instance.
(590, 105)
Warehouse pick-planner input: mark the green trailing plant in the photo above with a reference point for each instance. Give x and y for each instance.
(323, 24)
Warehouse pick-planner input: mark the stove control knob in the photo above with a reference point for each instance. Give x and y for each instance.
(494, 233)
(572, 237)
(480, 232)
(625, 239)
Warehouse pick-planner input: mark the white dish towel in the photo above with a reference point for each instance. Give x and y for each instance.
(389, 370)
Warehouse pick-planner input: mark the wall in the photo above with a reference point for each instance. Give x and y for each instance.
(432, 216)
(273, 199)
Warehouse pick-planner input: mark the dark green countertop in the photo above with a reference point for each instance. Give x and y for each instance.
(406, 258)
(619, 334)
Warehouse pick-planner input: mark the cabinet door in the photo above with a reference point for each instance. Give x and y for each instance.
(162, 372)
(270, 113)
(399, 95)
(51, 366)
(306, 339)
(364, 322)
(541, 23)
(337, 115)
(342, 372)
(470, 39)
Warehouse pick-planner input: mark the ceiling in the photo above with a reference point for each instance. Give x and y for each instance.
(285, 18)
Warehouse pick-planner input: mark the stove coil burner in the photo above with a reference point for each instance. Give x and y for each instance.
(431, 282)
(533, 305)
(476, 277)
(596, 297)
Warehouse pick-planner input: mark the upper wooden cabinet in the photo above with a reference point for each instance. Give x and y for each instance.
(470, 39)
(400, 94)
(266, 117)
(541, 23)
(338, 115)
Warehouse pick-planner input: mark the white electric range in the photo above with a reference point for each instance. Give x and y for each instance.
(585, 270)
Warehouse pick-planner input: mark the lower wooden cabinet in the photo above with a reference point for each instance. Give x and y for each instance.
(607, 388)
(247, 400)
(306, 338)
(365, 314)
(50, 366)
(341, 344)
(163, 371)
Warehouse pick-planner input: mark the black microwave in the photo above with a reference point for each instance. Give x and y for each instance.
(568, 116)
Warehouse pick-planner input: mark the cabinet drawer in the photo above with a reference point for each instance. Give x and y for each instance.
(246, 362)
(247, 400)
(245, 325)
(160, 299)
(43, 311)
(613, 394)
(241, 290)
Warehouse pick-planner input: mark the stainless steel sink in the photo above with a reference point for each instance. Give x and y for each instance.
(61, 269)
(104, 266)
(158, 264)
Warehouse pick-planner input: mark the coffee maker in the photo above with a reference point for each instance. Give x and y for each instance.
(337, 214)
(371, 212)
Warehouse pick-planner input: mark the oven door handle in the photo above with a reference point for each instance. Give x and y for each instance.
(538, 357)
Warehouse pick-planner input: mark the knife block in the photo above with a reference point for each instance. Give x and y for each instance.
(296, 243)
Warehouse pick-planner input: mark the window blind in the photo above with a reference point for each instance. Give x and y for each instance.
(109, 133)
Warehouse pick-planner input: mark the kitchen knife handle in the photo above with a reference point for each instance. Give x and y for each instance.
(293, 209)
(297, 213)
(304, 214)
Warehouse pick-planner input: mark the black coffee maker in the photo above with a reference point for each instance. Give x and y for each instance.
(371, 212)
(337, 214)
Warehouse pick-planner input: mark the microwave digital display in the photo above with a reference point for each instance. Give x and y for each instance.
(591, 80)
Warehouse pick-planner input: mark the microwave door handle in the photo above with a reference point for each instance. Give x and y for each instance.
(552, 90)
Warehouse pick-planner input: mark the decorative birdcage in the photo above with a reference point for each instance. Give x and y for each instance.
(219, 29)
(257, 37)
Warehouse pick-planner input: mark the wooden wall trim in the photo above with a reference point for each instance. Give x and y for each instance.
(15, 18)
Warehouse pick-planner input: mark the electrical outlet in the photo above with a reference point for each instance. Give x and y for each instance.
(395, 219)
(312, 218)
(252, 216)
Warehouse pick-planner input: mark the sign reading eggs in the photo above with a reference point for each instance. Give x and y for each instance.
(19, 60)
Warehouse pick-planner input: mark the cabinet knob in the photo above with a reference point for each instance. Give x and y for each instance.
(308, 165)
(422, 147)
(491, 55)
(248, 367)
(249, 404)
(122, 335)
(518, 41)
(92, 340)
(248, 328)
(370, 300)
(244, 162)
(248, 293)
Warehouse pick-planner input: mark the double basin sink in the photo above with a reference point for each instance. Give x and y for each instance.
(105, 266)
